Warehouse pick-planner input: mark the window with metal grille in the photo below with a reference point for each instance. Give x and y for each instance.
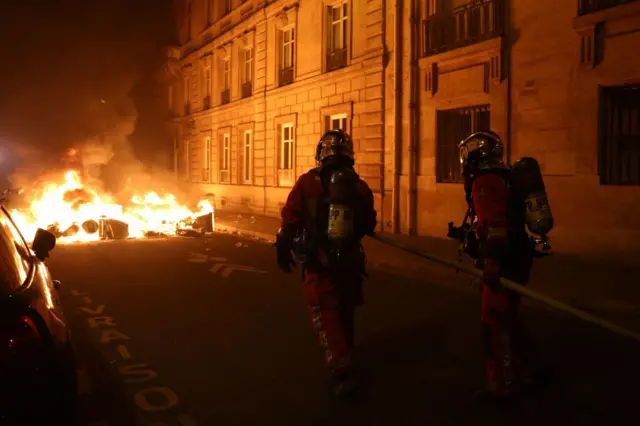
(452, 127)
(619, 128)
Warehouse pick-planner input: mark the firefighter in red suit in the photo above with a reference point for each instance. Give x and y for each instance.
(328, 212)
(505, 250)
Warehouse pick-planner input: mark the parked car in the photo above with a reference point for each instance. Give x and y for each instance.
(38, 383)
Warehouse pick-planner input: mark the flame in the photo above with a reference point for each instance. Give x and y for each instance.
(72, 204)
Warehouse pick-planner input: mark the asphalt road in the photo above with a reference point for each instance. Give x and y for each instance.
(168, 334)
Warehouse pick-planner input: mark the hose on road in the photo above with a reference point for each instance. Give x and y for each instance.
(514, 287)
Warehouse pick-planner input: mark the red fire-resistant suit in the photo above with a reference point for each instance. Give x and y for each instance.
(506, 251)
(332, 295)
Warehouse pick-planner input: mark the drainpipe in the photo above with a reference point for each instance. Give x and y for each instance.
(397, 144)
(414, 114)
(385, 65)
(264, 99)
(507, 66)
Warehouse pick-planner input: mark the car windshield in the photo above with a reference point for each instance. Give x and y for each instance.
(15, 258)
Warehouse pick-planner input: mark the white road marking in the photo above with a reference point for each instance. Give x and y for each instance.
(230, 268)
(123, 351)
(197, 257)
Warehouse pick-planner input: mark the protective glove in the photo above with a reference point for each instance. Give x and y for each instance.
(285, 259)
(491, 275)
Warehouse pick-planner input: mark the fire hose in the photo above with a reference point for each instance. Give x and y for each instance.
(515, 287)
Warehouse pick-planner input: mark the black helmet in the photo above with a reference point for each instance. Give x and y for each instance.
(481, 150)
(332, 143)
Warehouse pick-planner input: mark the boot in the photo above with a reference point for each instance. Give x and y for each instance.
(346, 385)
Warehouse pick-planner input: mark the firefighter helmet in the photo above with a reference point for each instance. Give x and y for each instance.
(332, 143)
(481, 150)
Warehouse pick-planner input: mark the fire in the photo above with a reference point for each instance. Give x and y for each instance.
(77, 212)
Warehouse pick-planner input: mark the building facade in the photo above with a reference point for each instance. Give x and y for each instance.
(256, 82)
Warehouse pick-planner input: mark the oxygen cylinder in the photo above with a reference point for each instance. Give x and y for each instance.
(526, 179)
(342, 193)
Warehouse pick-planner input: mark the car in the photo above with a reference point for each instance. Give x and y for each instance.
(38, 374)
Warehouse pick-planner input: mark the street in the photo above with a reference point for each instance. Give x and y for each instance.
(206, 331)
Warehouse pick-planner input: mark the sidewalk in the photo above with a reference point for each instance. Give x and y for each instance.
(604, 285)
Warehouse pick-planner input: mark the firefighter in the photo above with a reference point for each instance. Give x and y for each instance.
(505, 249)
(328, 212)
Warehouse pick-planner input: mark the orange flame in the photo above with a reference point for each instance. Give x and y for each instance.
(73, 203)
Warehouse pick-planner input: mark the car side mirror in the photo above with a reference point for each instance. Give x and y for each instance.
(43, 243)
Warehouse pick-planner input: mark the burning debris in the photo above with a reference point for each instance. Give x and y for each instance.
(76, 212)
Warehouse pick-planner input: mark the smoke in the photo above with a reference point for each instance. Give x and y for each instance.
(106, 162)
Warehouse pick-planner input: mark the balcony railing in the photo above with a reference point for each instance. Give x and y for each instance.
(206, 102)
(225, 97)
(336, 59)
(465, 25)
(591, 6)
(286, 76)
(247, 89)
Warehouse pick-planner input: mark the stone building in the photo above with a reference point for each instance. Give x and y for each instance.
(256, 82)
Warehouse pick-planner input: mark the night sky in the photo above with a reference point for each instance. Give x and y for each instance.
(59, 58)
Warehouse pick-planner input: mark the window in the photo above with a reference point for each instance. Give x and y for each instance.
(227, 7)
(226, 74)
(338, 122)
(187, 159)
(224, 158)
(337, 36)
(207, 11)
(288, 44)
(187, 95)
(206, 167)
(452, 127)
(247, 73)
(287, 55)
(207, 81)
(247, 157)
(286, 147)
(619, 128)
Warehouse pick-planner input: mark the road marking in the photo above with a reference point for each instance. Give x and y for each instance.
(123, 351)
(216, 268)
(141, 399)
(84, 381)
(141, 372)
(227, 269)
(197, 257)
